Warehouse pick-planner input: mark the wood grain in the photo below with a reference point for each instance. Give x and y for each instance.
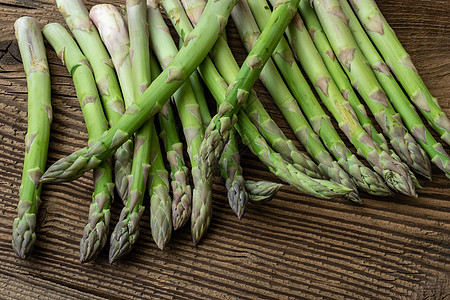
(293, 247)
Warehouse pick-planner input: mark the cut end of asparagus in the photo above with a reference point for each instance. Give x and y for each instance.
(261, 191)
(24, 237)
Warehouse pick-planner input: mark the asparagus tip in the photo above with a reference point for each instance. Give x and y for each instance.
(23, 244)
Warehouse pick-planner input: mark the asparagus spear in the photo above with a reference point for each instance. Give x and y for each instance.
(95, 232)
(392, 171)
(194, 9)
(249, 32)
(362, 77)
(401, 103)
(188, 110)
(252, 138)
(77, 18)
(160, 202)
(257, 191)
(148, 104)
(340, 78)
(229, 163)
(401, 65)
(254, 108)
(127, 229)
(261, 191)
(114, 34)
(179, 173)
(342, 111)
(32, 51)
(217, 133)
(364, 177)
(340, 108)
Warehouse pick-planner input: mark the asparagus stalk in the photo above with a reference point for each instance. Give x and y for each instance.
(340, 78)
(217, 133)
(160, 202)
(127, 229)
(189, 112)
(95, 232)
(228, 60)
(179, 173)
(253, 107)
(252, 138)
(341, 109)
(401, 103)
(229, 163)
(401, 65)
(362, 77)
(114, 34)
(364, 177)
(257, 191)
(249, 32)
(148, 104)
(77, 18)
(269, 128)
(194, 9)
(261, 191)
(34, 59)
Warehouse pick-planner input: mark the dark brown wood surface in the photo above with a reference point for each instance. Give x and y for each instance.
(292, 247)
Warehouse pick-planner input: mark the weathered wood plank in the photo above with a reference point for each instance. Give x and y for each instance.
(292, 247)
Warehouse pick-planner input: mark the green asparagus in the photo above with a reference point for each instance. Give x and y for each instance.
(363, 79)
(77, 18)
(34, 59)
(401, 103)
(252, 138)
(96, 231)
(261, 191)
(217, 133)
(341, 109)
(401, 65)
(229, 163)
(364, 177)
(196, 47)
(114, 34)
(257, 191)
(249, 32)
(188, 110)
(194, 9)
(127, 229)
(267, 126)
(340, 78)
(160, 202)
(179, 173)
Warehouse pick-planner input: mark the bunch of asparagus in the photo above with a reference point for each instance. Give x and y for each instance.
(128, 67)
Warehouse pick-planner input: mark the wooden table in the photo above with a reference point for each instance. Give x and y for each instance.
(292, 247)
